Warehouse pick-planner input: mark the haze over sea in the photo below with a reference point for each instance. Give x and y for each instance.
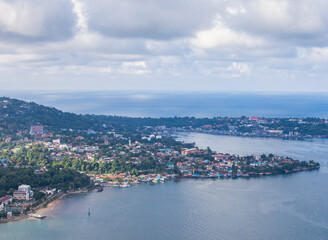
(170, 104)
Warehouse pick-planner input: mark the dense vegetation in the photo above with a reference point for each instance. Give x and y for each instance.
(11, 178)
(17, 115)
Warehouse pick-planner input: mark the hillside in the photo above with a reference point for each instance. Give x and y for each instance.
(16, 115)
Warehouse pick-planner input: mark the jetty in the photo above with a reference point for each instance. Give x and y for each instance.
(38, 216)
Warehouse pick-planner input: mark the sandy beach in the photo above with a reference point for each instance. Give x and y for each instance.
(50, 207)
(55, 203)
(46, 211)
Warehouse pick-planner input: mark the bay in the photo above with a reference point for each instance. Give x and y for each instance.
(292, 206)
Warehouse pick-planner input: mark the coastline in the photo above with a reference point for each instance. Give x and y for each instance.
(53, 205)
(46, 211)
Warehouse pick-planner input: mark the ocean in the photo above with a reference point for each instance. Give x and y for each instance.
(170, 104)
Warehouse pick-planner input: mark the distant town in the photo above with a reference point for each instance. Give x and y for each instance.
(45, 153)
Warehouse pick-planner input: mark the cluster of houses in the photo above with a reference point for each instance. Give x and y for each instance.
(253, 127)
(23, 193)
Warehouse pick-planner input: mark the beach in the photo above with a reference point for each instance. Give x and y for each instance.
(45, 211)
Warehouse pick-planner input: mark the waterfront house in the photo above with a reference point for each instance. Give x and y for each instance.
(24, 193)
(6, 200)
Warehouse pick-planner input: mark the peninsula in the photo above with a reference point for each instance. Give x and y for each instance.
(46, 153)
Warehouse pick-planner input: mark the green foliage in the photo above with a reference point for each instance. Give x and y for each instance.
(60, 179)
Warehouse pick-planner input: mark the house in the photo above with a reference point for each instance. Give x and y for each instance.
(6, 200)
(170, 166)
(24, 193)
(186, 151)
(221, 157)
(276, 131)
(253, 118)
(36, 130)
(21, 195)
(48, 190)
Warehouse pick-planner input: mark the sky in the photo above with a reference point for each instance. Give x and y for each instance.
(194, 45)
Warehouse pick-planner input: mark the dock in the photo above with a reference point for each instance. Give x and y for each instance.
(38, 216)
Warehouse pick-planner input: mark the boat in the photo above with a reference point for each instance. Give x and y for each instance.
(100, 189)
(124, 185)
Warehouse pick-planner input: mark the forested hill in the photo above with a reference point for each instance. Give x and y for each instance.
(16, 115)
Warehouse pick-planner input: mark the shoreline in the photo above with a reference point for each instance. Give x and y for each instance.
(54, 204)
(51, 207)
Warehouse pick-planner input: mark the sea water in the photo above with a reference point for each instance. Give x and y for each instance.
(292, 206)
(170, 104)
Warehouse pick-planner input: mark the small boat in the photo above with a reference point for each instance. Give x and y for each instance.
(124, 185)
(100, 189)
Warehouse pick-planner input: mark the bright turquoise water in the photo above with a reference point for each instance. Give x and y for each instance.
(276, 207)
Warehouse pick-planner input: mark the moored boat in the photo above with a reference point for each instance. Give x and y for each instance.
(124, 185)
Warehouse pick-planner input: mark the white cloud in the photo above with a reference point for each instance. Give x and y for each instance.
(140, 64)
(163, 43)
(235, 11)
(82, 20)
(238, 69)
(36, 20)
(221, 35)
(136, 68)
(319, 54)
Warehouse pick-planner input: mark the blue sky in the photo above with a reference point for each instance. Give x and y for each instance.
(235, 45)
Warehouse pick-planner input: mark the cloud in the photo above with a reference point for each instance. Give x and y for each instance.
(319, 54)
(221, 35)
(302, 22)
(136, 68)
(161, 19)
(172, 44)
(34, 20)
(238, 69)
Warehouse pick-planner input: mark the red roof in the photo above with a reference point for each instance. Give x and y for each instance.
(20, 192)
(36, 129)
(5, 198)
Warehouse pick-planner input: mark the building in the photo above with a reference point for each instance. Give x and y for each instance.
(21, 195)
(48, 190)
(186, 151)
(5, 201)
(24, 193)
(36, 130)
(253, 118)
(221, 157)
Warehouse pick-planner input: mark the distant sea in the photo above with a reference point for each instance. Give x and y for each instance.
(170, 104)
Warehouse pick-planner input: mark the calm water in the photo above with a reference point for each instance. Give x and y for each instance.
(168, 104)
(276, 207)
